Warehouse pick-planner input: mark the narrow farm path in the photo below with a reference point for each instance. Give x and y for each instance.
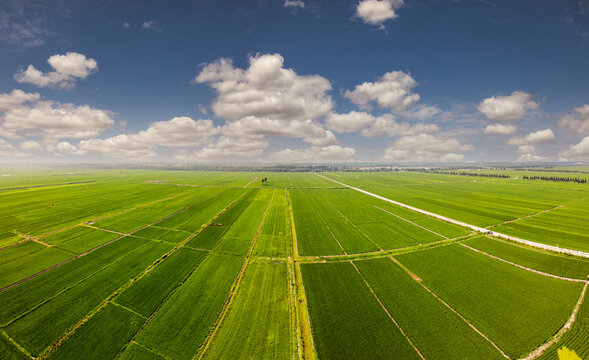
(521, 266)
(410, 222)
(248, 184)
(525, 217)
(470, 226)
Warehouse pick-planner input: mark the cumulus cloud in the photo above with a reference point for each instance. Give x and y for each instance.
(388, 126)
(577, 121)
(578, 151)
(425, 148)
(314, 154)
(67, 68)
(255, 127)
(538, 137)
(500, 129)
(392, 91)
(229, 148)
(421, 112)
(179, 132)
(29, 145)
(266, 90)
(525, 149)
(26, 114)
(507, 108)
(350, 122)
(376, 12)
(67, 148)
(7, 150)
(531, 158)
(294, 4)
(120, 146)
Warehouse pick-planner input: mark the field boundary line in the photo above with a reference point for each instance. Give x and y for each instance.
(113, 302)
(352, 224)
(246, 185)
(48, 185)
(325, 223)
(525, 217)
(566, 327)
(383, 253)
(449, 307)
(523, 267)
(205, 346)
(17, 345)
(387, 312)
(305, 342)
(410, 222)
(463, 224)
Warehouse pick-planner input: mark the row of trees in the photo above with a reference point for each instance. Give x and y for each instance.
(556, 178)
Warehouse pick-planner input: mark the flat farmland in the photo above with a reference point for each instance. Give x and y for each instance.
(155, 264)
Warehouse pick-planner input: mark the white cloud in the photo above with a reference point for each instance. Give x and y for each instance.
(376, 12)
(507, 108)
(314, 154)
(30, 145)
(578, 151)
(425, 148)
(152, 25)
(538, 137)
(578, 121)
(294, 4)
(266, 90)
(350, 122)
(25, 114)
(391, 91)
(228, 148)
(126, 25)
(9, 151)
(525, 149)
(387, 126)
(179, 132)
(67, 148)
(18, 29)
(531, 158)
(421, 112)
(500, 129)
(67, 68)
(255, 127)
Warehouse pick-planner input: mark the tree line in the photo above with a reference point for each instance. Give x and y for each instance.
(556, 178)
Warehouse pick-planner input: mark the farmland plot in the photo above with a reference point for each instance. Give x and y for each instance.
(347, 321)
(515, 308)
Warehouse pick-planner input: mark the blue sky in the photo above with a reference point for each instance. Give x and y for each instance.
(386, 81)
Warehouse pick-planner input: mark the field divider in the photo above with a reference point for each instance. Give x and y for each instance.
(420, 282)
(53, 347)
(525, 217)
(383, 253)
(523, 267)
(566, 327)
(16, 344)
(246, 185)
(352, 224)
(410, 222)
(470, 226)
(305, 343)
(235, 288)
(113, 302)
(388, 313)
